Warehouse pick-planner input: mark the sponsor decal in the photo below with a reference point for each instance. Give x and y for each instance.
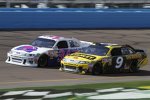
(89, 57)
(27, 48)
(56, 37)
(134, 56)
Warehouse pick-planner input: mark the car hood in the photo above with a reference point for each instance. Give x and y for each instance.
(30, 49)
(84, 57)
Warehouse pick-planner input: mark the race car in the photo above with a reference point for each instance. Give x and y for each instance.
(104, 58)
(46, 50)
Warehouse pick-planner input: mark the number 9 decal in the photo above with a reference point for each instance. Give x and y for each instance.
(119, 62)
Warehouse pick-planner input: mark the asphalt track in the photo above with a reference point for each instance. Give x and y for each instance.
(13, 76)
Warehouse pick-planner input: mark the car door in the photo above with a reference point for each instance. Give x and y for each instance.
(118, 59)
(62, 49)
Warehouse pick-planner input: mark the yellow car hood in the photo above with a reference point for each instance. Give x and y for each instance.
(84, 57)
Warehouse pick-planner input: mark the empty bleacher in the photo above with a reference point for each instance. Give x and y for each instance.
(74, 3)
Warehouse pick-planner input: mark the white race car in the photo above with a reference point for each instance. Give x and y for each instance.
(47, 50)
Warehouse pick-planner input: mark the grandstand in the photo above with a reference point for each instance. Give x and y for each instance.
(74, 3)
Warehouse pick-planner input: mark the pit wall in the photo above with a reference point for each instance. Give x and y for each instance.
(54, 18)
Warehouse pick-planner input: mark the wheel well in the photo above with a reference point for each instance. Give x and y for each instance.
(134, 66)
(97, 64)
(100, 68)
(134, 62)
(43, 55)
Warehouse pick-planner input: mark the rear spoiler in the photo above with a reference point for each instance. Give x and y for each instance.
(139, 50)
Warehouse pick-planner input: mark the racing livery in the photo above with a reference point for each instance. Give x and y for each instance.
(105, 58)
(44, 51)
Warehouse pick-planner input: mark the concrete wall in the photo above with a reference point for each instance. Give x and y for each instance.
(73, 18)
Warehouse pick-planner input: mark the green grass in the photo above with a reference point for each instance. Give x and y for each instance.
(86, 87)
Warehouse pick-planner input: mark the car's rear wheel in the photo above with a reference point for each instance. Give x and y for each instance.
(97, 69)
(43, 61)
(134, 66)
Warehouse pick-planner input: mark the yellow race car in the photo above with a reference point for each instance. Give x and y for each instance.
(104, 58)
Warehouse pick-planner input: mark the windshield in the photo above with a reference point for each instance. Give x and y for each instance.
(40, 42)
(95, 50)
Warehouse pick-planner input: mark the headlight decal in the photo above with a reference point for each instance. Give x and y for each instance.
(83, 62)
(25, 54)
(31, 55)
(64, 60)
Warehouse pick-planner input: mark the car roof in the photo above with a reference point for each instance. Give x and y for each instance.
(54, 37)
(108, 45)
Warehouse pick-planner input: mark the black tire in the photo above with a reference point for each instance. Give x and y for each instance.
(43, 61)
(134, 66)
(97, 69)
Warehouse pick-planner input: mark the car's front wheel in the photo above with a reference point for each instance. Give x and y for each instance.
(43, 61)
(97, 69)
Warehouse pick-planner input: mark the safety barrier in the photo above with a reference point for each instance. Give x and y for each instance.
(51, 18)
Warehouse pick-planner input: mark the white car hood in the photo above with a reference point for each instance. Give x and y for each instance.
(30, 49)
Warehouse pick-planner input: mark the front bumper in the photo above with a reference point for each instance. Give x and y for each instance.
(76, 68)
(20, 60)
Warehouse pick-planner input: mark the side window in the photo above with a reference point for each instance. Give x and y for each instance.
(73, 43)
(116, 52)
(62, 44)
(127, 51)
(131, 51)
